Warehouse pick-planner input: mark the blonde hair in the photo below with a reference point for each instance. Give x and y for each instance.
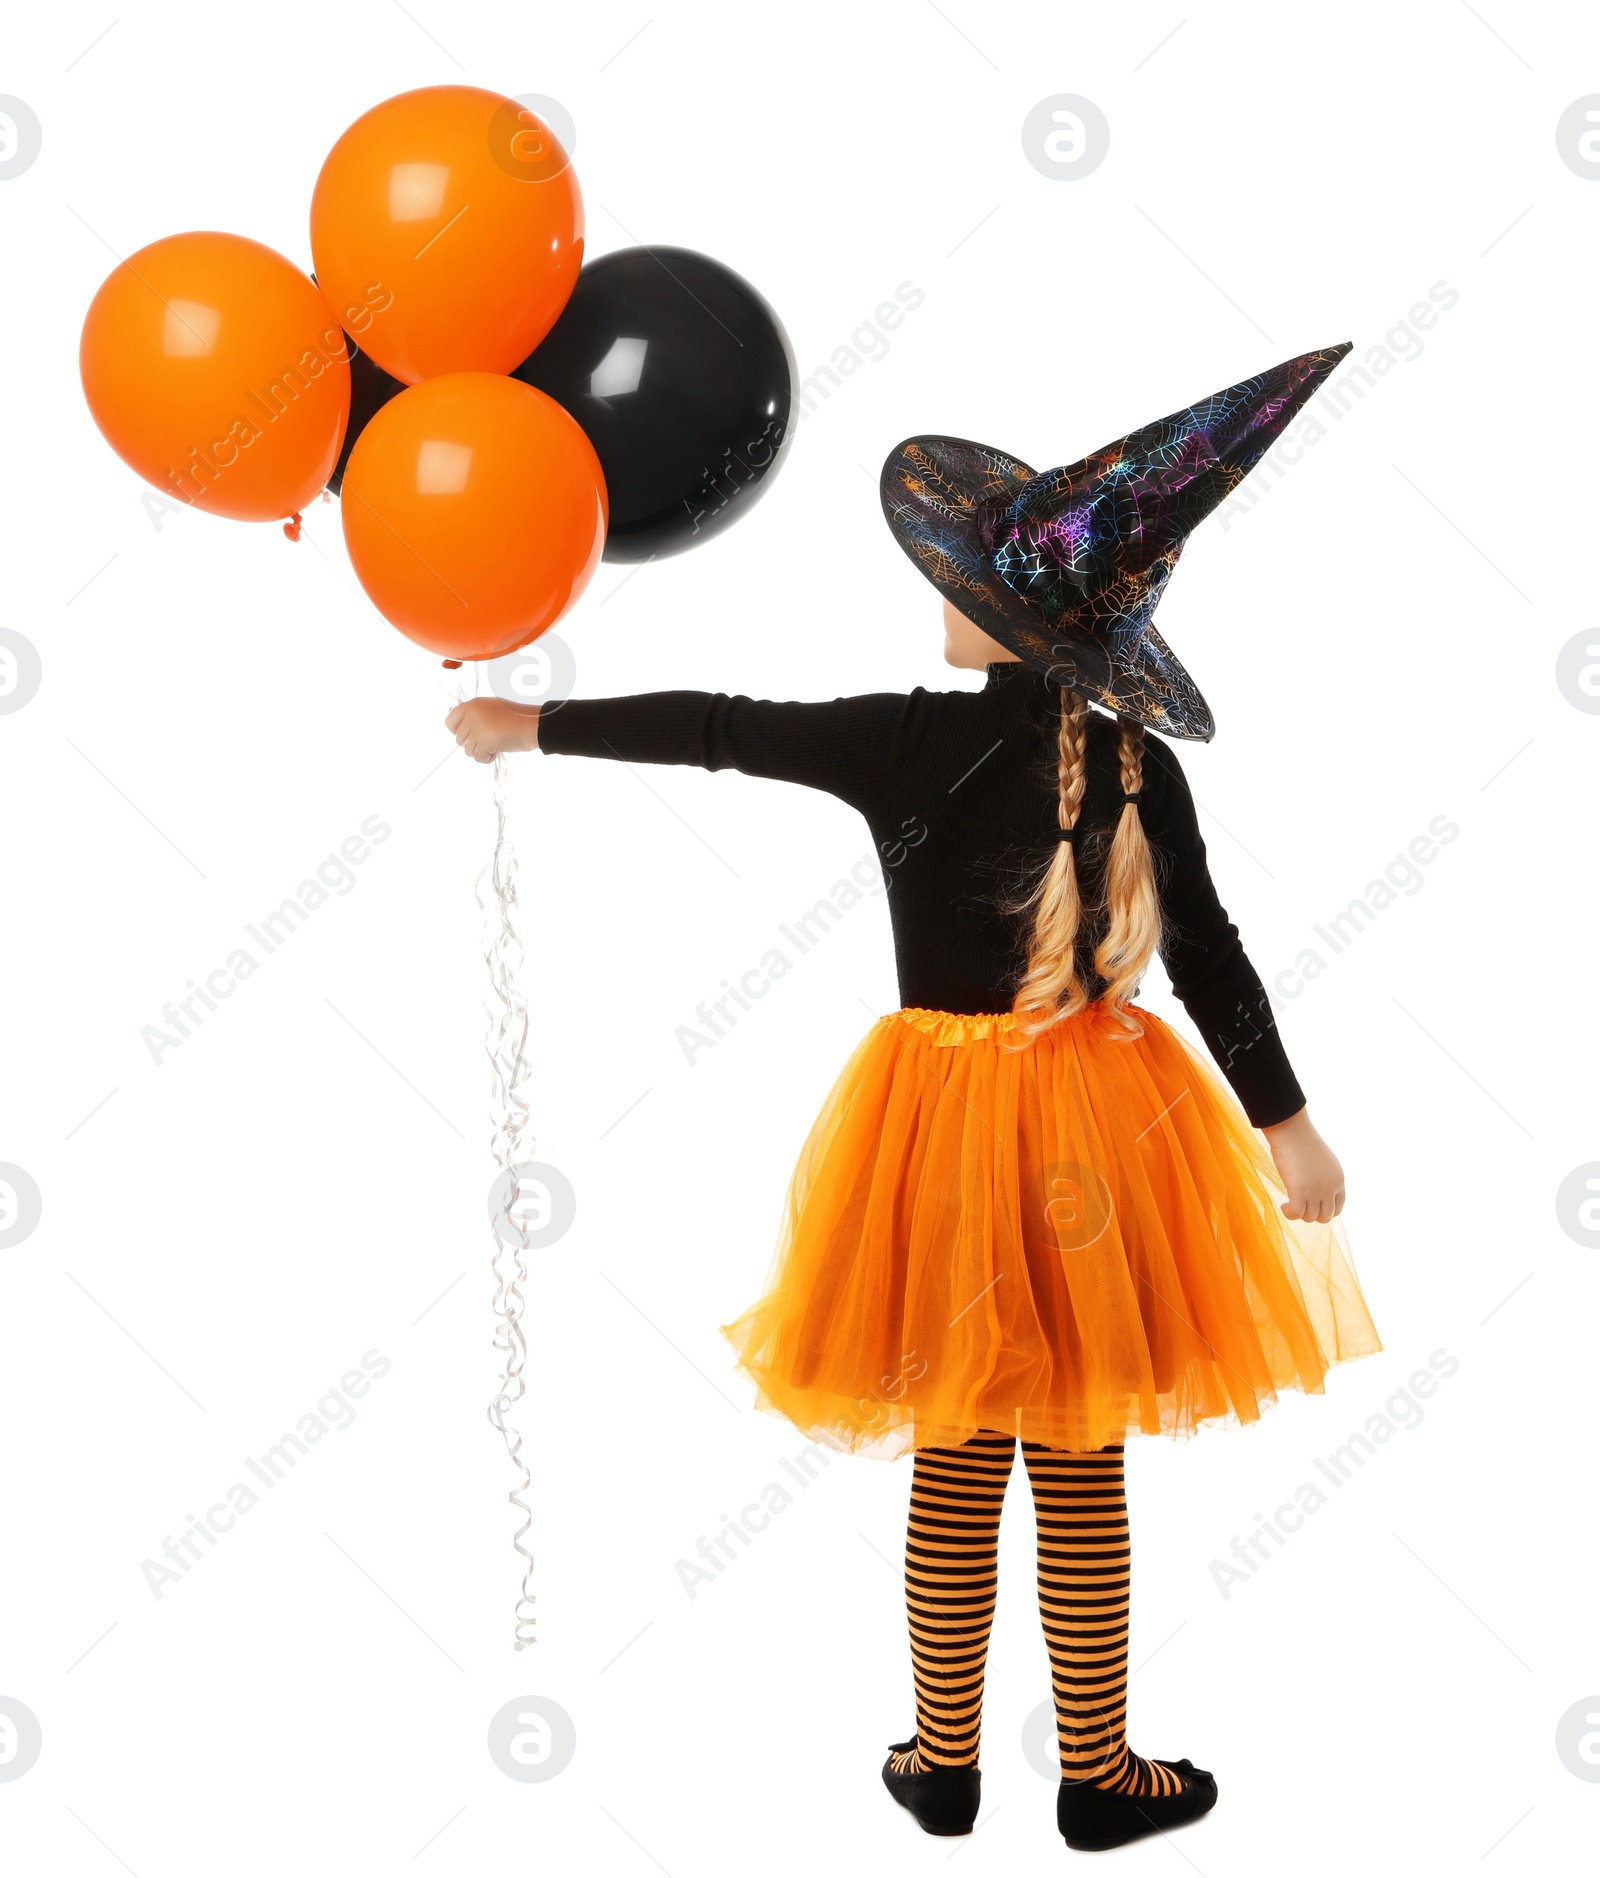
(1051, 989)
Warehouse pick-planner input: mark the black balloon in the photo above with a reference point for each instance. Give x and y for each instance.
(371, 388)
(685, 383)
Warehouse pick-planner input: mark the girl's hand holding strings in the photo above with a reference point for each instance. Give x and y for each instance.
(489, 727)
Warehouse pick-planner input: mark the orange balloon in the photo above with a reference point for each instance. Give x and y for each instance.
(474, 511)
(447, 231)
(217, 371)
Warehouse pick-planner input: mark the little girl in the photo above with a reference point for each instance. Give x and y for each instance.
(1028, 1211)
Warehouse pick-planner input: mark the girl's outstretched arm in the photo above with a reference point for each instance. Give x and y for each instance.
(844, 746)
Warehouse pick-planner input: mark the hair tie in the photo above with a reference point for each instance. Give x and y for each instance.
(1134, 798)
(1067, 834)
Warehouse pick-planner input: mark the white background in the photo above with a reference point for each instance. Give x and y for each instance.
(298, 1183)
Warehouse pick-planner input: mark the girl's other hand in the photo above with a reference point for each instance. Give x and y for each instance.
(1309, 1169)
(489, 727)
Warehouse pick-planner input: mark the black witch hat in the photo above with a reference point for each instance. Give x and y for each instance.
(1066, 568)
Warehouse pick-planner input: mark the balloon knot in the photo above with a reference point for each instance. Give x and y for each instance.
(326, 496)
(292, 527)
(452, 665)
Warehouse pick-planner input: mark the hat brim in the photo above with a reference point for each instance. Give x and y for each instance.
(936, 494)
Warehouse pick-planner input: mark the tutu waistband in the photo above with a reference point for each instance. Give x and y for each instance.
(949, 1029)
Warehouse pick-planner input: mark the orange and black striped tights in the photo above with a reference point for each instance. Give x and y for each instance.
(952, 1558)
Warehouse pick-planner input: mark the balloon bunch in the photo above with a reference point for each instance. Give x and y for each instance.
(493, 414)
(504, 405)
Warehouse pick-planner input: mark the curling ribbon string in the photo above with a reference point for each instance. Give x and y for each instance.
(506, 1044)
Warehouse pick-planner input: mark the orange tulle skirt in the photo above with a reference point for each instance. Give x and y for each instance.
(1068, 1240)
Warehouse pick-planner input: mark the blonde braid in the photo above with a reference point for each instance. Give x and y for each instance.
(1051, 989)
(1133, 908)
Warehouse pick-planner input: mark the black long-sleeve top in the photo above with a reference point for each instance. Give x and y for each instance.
(959, 790)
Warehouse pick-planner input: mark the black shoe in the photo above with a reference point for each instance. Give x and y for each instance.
(944, 1800)
(1092, 1819)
